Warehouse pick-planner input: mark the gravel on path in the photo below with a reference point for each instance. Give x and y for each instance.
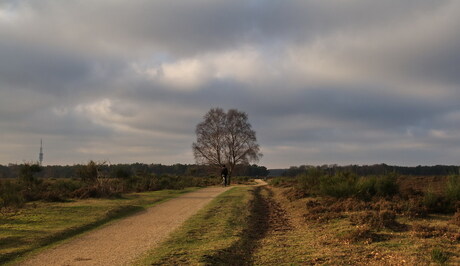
(121, 242)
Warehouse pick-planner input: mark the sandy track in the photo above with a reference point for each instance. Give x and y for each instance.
(123, 241)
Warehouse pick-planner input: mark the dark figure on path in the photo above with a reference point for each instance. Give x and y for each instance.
(224, 175)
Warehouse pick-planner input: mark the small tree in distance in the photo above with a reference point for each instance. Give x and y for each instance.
(225, 138)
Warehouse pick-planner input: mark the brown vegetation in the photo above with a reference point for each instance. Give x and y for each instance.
(413, 224)
(94, 181)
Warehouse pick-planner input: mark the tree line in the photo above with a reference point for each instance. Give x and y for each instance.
(128, 170)
(376, 169)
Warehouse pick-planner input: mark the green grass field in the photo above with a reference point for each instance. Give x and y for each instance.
(43, 223)
(216, 234)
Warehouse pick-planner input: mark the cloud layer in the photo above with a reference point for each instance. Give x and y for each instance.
(322, 81)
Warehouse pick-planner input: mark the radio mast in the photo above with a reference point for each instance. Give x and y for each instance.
(40, 155)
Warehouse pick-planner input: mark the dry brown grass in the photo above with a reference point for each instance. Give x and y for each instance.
(377, 220)
(383, 231)
(456, 218)
(361, 234)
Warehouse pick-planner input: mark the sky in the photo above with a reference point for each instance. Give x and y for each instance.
(323, 82)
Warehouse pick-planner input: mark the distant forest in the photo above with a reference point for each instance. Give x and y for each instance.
(128, 170)
(139, 169)
(376, 169)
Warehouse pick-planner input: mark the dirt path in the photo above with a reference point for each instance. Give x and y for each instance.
(122, 242)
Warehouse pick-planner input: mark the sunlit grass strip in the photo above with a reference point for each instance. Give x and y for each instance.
(42, 223)
(209, 235)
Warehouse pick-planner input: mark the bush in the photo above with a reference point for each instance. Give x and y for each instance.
(341, 185)
(10, 196)
(59, 190)
(436, 203)
(453, 189)
(91, 171)
(28, 171)
(361, 233)
(282, 181)
(365, 187)
(382, 186)
(310, 180)
(386, 185)
(376, 220)
(148, 182)
(102, 188)
(345, 185)
(413, 208)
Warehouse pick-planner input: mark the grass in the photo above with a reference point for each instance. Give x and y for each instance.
(340, 241)
(39, 224)
(218, 234)
(439, 256)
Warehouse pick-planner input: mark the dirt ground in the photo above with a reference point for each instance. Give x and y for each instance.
(121, 242)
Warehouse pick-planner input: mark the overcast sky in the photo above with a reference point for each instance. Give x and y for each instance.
(322, 82)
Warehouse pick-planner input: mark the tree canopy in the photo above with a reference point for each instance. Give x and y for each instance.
(226, 138)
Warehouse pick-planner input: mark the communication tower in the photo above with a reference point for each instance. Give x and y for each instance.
(40, 155)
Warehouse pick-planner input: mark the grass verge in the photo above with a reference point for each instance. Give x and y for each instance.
(40, 224)
(224, 232)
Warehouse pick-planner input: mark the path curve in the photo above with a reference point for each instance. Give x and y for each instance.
(121, 242)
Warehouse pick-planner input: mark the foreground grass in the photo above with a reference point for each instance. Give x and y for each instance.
(294, 240)
(42, 223)
(221, 233)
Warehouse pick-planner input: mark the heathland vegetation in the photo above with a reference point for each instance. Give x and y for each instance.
(321, 215)
(325, 218)
(376, 219)
(30, 182)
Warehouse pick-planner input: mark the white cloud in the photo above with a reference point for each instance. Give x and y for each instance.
(245, 65)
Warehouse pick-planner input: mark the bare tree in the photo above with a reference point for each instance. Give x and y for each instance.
(225, 138)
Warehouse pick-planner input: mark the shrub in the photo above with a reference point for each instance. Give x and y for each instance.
(121, 172)
(361, 233)
(310, 180)
(66, 186)
(58, 190)
(102, 188)
(453, 188)
(341, 185)
(282, 181)
(386, 185)
(27, 172)
(365, 187)
(91, 171)
(382, 186)
(376, 220)
(349, 204)
(436, 203)
(321, 214)
(413, 208)
(10, 195)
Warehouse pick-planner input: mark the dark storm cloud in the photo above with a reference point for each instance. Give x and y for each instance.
(322, 81)
(29, 66)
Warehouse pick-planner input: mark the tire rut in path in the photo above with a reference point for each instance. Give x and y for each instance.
(267, 217)
(121, 242)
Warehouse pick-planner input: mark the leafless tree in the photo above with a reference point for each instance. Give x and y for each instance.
(225, 138)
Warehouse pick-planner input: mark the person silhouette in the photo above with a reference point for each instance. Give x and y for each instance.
(224, 175)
